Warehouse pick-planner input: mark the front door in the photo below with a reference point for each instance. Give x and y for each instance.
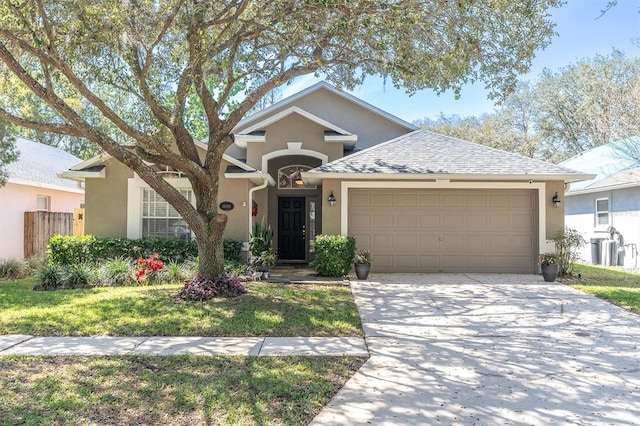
(291, 228)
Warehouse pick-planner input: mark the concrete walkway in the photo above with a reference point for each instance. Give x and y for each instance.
(257, 346)
(489, 349)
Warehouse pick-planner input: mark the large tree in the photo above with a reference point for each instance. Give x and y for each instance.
(158, 55)
(8, 153)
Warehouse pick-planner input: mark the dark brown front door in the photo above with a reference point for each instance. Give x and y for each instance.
(291, 228)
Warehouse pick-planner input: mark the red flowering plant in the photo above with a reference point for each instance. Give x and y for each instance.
(148, 267)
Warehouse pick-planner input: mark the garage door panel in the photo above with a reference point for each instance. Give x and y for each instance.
(382, 200)
(406, 242)
(383, 220)
(430, 262)
(381, 242)
(429, 242)
(476, 200)
(477, 243)
(453, 262)
(359, 200)
(476, 263)
(476, 220)
(407, 200)
(453, 220)
(416, 230)
(499, 200)
(429, 200)
(452, 200)
(522, 221)
(406, 262)
(407, 220)
(430, 221)
(452, 242)
(359, 221)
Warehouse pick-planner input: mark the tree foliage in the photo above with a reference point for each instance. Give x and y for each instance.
(8, 153)
(564, 112)
(139, 66)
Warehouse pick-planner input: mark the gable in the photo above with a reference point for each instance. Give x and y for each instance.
(341, 110)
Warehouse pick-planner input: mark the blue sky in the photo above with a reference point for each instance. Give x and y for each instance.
(582, 33)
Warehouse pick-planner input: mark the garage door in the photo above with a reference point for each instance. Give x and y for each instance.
(446, 230)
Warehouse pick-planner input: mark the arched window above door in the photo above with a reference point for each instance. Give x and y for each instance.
(289, 177)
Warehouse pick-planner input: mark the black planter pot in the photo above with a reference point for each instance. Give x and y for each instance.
(549, 272)
(362, 270)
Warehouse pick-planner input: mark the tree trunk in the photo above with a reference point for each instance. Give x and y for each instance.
(211, 248)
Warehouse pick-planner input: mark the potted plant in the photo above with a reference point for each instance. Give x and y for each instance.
(549, 266)
(362, 264)
(262, 256)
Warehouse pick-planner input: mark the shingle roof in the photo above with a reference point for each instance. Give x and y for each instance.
(39, 164)
(425, 152)
(605, 161)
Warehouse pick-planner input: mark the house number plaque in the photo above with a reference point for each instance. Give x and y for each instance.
(226, 206)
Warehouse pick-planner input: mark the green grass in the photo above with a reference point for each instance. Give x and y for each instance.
(172, 390)
(266, 310)
(618, 287)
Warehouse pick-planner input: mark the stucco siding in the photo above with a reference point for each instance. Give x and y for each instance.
(293, 128)
(17, 199)
(624, 216)
(370, 127)
(106, 202)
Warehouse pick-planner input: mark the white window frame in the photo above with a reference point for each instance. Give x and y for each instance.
(168, 217)
(47, 202)
(598, 213)
(134, 202)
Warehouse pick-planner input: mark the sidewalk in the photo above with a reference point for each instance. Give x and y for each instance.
(256, 346)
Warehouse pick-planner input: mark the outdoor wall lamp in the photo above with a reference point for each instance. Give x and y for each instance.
(331, 199)
(556, 200)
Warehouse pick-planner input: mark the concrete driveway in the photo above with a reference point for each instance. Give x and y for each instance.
(478, 349)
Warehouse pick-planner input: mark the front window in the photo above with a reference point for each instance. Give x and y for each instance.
(160, 219)
(602, 212)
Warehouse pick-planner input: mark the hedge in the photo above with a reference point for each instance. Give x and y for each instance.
(89, 249)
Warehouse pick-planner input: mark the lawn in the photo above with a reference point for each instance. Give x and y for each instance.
(618, 287)
(176, 390)
(266, 310)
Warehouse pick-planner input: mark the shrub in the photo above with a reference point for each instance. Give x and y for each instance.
(334, 254)
(261, 238)
(174, 272)
(69, 250)
(77, 276)
(54, 277)
(235, 268)
(89, 249)
(232, 249)
(14, 268)
(148, 268)
(118, 271)
(567, 243)
(200, 289)
(49, 278)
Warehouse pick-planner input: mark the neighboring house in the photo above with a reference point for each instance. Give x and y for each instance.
(607, 206)
(323, 161)
(33, 185)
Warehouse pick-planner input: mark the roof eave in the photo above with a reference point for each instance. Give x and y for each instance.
(45, 186)
(81, 175)
(315, 178)
(602, 189)
(255, 177)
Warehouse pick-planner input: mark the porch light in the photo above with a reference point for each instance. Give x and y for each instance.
(331, 199)
(556, 200)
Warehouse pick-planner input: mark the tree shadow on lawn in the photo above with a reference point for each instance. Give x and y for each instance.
(266, 310)
(178, 389)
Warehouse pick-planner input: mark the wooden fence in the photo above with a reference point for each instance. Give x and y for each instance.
(40, 226)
